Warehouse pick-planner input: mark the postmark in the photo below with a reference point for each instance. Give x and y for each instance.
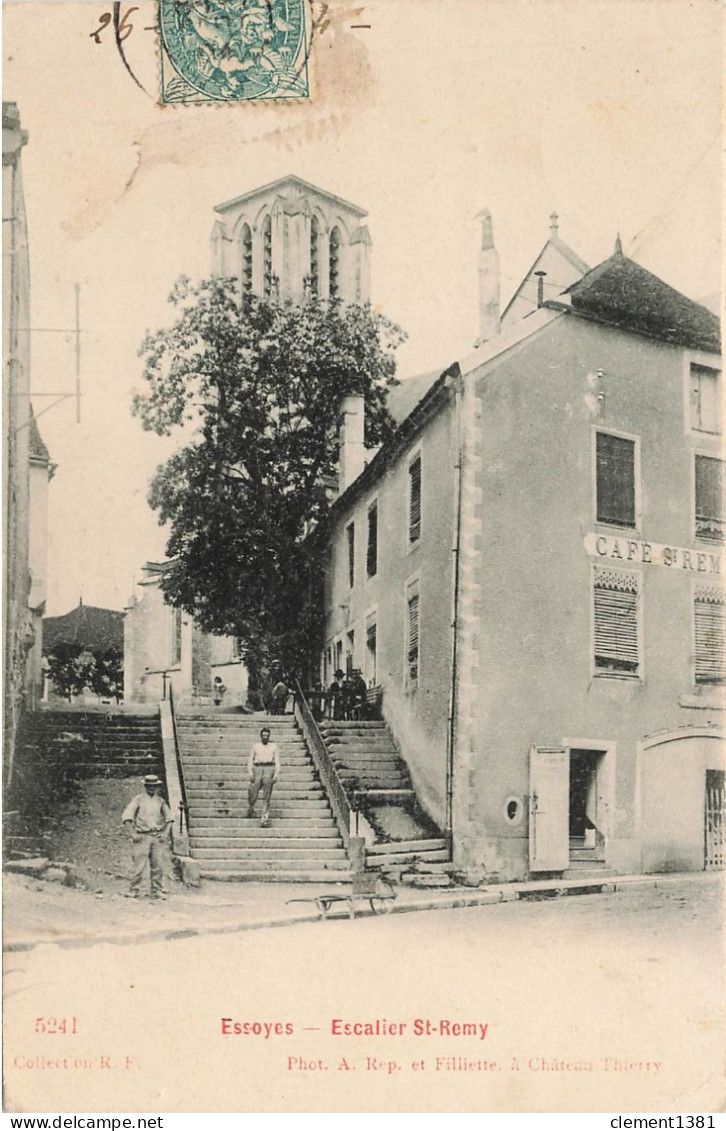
(233, 50)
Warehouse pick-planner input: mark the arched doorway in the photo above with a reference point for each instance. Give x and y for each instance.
(681, 800)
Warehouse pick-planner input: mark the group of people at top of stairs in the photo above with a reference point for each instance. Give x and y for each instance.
(347, 696)
(345, 699)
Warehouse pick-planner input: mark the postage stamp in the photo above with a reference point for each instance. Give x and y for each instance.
(233, 50)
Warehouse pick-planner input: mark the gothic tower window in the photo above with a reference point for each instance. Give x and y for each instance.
(246, 243)
(314, 257)
(334, 273)
(267, 257)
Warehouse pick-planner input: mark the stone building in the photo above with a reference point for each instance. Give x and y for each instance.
(164, 648)
(285, 239)
(288, 236)
(532, 571)
(26, 465)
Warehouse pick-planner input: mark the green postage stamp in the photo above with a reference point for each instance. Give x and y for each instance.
(233, 50)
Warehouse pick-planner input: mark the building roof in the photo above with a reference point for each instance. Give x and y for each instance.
(295, 182)
(619, 292)
(553, 252)
(87, 625)
(37, 449)
(403, 398)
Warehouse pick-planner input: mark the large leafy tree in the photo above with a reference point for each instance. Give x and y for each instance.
(71, 667)
(260, 387)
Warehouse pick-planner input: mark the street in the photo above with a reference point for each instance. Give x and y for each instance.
(588, 1003)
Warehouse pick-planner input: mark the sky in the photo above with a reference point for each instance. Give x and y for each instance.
(608, 113)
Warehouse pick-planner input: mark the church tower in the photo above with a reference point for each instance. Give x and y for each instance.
(288, 237)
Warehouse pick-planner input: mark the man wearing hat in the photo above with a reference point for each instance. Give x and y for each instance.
(149, 819)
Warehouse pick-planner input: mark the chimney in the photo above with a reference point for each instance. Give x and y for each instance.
(489, 325)
(352, 455)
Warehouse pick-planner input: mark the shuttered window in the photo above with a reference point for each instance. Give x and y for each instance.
(709, 499)
(710, 631)
(372, 548)
(267, 257)
(350, 531)
(334, 265)
(414, 500)
(615, 479)
(616, 623)
(246, 243)
(314, 257)
(706, 408)
(413, 637)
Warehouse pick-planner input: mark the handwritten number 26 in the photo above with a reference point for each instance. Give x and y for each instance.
(124, 27)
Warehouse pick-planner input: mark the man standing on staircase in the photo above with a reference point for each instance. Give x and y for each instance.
(264, 770)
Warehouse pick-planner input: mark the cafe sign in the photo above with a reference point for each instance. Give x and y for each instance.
(634, 551)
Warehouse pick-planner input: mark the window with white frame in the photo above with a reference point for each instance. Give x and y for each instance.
(616, 622)
(413, 635)
(372, 546)
(414, 500)
(709, 508)
(705, 399)
(615, 480)
(709, 622)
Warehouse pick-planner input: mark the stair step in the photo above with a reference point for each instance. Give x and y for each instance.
(235, 844)
(404, 857)
(282, 824)
(300, 875)
(210, 834)
(332, 726)
(435, 844)
(262, 854)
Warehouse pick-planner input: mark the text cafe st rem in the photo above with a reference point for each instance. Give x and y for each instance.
(653, 553)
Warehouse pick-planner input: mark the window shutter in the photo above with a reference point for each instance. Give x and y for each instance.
(334, 265)
(710, 632)
(616, 621)
(372, 550)
(615, 463)
(413, 636)
(314, 257)
(709, 499)
(414, 510)
(351, 555)
(267, 257)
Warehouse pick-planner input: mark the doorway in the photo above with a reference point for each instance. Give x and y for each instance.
(586, 807)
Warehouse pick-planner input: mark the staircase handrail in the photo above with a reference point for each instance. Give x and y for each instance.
(184, 803)
(324, 764)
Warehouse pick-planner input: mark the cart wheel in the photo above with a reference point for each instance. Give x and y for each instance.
(380, 905)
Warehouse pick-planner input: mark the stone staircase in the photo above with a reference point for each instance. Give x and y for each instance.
(366, 757)
(368, 761)
(303, 842)
(586, 863)
(93, 743)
